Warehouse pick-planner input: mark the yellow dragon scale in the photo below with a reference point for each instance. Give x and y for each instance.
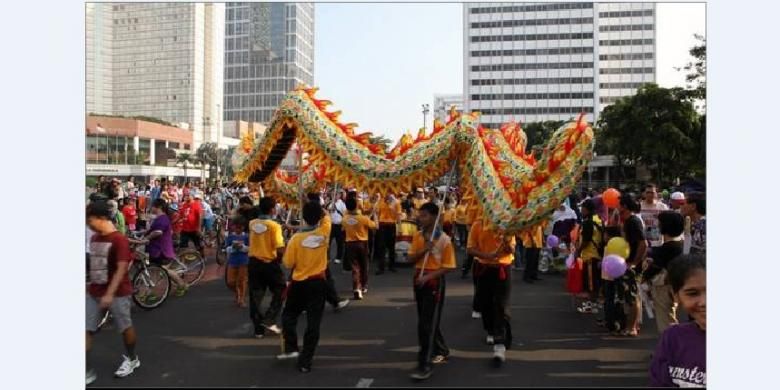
(503, 185)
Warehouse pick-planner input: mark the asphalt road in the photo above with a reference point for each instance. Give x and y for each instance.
(203, 339)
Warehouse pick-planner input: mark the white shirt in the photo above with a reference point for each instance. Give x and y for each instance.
(335, 216)
(649, 216)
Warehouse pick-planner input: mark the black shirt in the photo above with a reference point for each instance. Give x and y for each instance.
(634, 233)
(662, 256)
(248, 215)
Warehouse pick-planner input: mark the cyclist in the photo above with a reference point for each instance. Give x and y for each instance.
(159, 240)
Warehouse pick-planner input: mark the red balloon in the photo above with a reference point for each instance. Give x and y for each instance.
(611, 198)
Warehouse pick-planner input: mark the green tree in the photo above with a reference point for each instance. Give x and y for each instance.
(655, 128)
(696, 71)
(538, 133)
(207, 154)
(185, 158)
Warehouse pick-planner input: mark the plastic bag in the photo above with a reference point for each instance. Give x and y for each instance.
(574, 277)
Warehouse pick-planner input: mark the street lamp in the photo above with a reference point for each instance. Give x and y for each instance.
(425, 111)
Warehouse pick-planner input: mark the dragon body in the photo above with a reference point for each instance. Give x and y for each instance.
(503, 185)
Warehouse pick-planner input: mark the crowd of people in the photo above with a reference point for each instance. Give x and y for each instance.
(666, 236)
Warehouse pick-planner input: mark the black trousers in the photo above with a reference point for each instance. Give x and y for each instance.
(614, 315)
(493, 301)
(463, 234)
(331, 295)
(265, 276)
(385, 241)
(531, 257)
(307, 295)
(186, 237)
(430, 301)
(357, 254)
(337, 233)
(468, 264)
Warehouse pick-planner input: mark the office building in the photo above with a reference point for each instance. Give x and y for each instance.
(532, 62)
(159, 60)
(269, 50)
(442, 104)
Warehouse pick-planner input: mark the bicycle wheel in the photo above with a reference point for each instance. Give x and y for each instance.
(220, 256)
(151, 287)
(195, 267)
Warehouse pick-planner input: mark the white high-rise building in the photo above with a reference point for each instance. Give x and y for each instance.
(161, 60)
(532, 62)
(269, 50)
(442, 104)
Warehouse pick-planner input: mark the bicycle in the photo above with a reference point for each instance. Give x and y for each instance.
(151, 283)
(215, 238)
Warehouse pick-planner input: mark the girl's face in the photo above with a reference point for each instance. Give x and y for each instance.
(693, 297)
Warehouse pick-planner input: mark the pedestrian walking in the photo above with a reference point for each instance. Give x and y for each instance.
(266, 248)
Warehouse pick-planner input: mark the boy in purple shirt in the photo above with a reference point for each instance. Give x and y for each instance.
(680, 357)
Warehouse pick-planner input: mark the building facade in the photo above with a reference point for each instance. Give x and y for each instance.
(161, 60)
(442, 104)
(531, 62)
(131, 147)
(269, 50)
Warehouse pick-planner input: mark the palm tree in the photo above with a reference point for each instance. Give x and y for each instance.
(185, 158)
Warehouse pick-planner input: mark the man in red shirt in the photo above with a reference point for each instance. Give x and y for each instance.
(109, 285)
(192, 215)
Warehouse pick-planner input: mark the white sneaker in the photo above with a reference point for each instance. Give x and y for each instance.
(259, 336)
(476, 314)
(499, 353)
(91, 376)
(358, 294)
(274, 329)
(489, 340)
(127, 367)
(337, 261)
(342, 304)
(286, 356)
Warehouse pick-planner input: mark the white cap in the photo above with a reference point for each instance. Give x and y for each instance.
(677, 196)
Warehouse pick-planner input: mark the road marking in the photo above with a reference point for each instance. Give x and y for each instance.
(365, 382)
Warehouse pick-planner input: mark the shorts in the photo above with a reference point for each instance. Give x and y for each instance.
(120, 310)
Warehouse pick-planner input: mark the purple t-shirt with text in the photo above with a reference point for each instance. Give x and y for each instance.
(161, 246)
(680, 358)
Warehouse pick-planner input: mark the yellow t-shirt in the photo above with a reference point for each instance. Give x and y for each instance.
(441, 256)
(389, 213)
(448, 217)
(489, 241)
(461, 216)
(589, 250)
(307, 251)
(356, 227)
(532, 239)
(265, 237)
(406, 230)
(365, 207)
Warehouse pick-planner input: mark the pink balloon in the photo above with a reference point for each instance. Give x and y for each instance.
(614, 266)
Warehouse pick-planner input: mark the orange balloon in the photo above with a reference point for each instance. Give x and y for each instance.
(611, 197)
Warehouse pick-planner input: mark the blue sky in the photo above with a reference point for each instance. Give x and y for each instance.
(379, 62)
